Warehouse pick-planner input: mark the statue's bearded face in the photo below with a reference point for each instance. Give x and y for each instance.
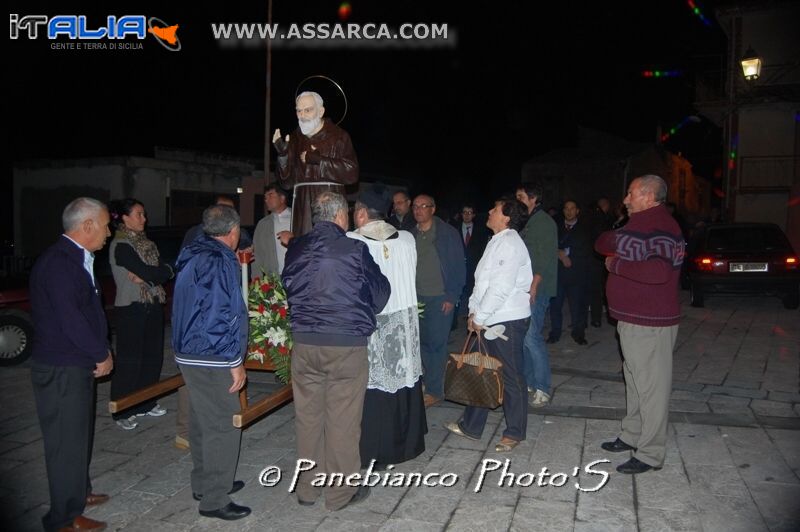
(309, 115)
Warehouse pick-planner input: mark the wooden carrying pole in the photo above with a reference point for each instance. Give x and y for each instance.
(248, 414)
(149, 392)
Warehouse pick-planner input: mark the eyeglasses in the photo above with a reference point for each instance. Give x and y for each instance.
(423, 206)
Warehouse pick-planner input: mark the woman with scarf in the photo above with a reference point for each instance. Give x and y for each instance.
(139, 275)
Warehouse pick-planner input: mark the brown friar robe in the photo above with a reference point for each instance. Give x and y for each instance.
(332, 160)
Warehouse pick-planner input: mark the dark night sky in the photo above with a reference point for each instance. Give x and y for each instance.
(463, 117)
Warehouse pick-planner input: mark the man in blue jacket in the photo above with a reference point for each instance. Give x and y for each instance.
(209, 337)
(70, 350)
(441, 274)
(335, 290)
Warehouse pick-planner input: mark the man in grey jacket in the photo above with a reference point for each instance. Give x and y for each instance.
(269, 251)
(441, 274)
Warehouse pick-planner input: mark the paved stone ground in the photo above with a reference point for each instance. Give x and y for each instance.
(733, 460)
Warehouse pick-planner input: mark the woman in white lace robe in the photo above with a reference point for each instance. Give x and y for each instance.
(393, 426)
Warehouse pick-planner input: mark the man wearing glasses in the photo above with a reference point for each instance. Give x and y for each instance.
(440, 280)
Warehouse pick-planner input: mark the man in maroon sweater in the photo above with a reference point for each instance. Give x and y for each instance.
(644, 261)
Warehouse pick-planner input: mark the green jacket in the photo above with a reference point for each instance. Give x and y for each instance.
(541, 238)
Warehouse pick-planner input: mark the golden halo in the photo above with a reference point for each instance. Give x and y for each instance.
(326, 78)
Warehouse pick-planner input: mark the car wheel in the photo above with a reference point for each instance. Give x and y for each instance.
(696, 295)
(792, 300)
(16, 334)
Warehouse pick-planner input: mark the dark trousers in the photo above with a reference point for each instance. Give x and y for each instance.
(329, 383)
(434, 332)
(515, 389)
(595, 290)
(65, 403)
(213, 439)
(577, 309)
(140, 352)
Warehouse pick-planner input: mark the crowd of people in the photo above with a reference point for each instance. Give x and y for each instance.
(371, 311)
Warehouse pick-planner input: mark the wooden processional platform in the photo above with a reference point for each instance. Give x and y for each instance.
(248, 413)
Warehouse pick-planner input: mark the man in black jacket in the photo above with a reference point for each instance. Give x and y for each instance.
(335, 290)
(474, 235)
(574, 254)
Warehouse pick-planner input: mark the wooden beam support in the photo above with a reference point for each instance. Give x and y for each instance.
(267, 404)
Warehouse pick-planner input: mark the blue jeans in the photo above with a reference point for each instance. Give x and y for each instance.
(537, 359)
(515, 396)
(434, 332)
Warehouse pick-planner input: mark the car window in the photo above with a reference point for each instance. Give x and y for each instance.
(746, 239)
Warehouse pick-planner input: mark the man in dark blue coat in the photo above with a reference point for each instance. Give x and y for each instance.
(335, 290)
(70, 350)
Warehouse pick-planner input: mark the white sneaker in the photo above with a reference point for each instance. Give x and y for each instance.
(129, 423)
(156, 411)
(538, 399)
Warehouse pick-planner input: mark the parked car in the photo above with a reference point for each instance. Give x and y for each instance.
(742, 258)
(16, 328)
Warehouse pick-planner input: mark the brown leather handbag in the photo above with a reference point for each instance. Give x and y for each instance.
(474, 378)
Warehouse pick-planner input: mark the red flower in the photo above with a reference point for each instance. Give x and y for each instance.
(282, 312)
(266, 287)
(261, 308)
(283, 350)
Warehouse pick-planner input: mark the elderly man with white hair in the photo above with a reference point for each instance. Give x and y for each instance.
(70, 350)
(316, 157)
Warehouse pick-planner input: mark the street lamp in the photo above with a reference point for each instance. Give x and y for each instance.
(751, 64)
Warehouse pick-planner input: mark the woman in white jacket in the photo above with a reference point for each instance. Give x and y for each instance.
(502, 281)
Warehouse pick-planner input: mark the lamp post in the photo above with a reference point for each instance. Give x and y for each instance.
(751, 64)
(267, 112)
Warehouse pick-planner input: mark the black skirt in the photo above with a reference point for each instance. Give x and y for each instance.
(393, 426)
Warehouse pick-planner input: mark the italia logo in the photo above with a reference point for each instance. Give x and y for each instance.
(76, 27)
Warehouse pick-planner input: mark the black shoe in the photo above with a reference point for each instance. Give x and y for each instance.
(617, 446)
(580, 340)
(237, 486)
(552, 339)
(634, 466)
(596, 324)
(229, 512)
(358, 496)
(301, 502)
